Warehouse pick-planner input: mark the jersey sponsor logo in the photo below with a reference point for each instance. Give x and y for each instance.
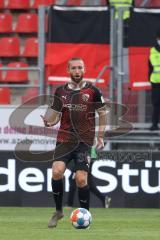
(76, 107)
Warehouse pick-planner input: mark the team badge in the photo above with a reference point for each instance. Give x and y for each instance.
(85, 97)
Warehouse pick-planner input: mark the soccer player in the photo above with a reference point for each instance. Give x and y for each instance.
(74, 105)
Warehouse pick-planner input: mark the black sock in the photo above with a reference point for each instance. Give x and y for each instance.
(57, 189)
(83, 194)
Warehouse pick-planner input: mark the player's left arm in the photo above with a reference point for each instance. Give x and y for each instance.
(101, 109)
(102, 113)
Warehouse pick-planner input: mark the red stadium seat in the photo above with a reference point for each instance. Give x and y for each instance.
(1, 4)
(31, 47)
(5, 22)
(9, 47)
(148, 4)
(16, 76)
(72, 2)
(5, 96)
(104, 2)
(42, 2)
(154, 3)
(30, 93)
(27, 23)
(138, 3)
(18, 4)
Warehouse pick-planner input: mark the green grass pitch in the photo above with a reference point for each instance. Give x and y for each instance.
(108, 224)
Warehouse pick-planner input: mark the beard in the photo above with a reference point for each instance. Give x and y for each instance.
(77, 79)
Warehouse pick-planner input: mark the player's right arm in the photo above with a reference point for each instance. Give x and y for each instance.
(51, 118)
(53, 114)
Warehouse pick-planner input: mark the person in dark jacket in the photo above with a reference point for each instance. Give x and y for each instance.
(154, 77)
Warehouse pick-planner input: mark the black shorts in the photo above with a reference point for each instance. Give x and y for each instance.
(68, 152)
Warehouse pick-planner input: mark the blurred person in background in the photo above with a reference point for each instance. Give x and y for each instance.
(121, 4)
(154, 77)
(126, 15)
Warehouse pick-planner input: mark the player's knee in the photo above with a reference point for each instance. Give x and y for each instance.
(81, 182)
(57, 174)
(58, 169)
(81, 178)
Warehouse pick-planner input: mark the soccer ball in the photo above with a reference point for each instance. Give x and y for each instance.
(81, 218)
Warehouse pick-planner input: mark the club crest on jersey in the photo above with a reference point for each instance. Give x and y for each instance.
(85, 97)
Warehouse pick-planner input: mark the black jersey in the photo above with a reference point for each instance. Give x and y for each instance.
(78, 112)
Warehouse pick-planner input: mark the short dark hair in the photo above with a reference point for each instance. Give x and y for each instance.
(74, 59)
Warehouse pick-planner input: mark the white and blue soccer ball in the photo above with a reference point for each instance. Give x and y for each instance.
(81, 218)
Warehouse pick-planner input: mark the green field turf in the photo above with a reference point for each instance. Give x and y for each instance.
(108, 224)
